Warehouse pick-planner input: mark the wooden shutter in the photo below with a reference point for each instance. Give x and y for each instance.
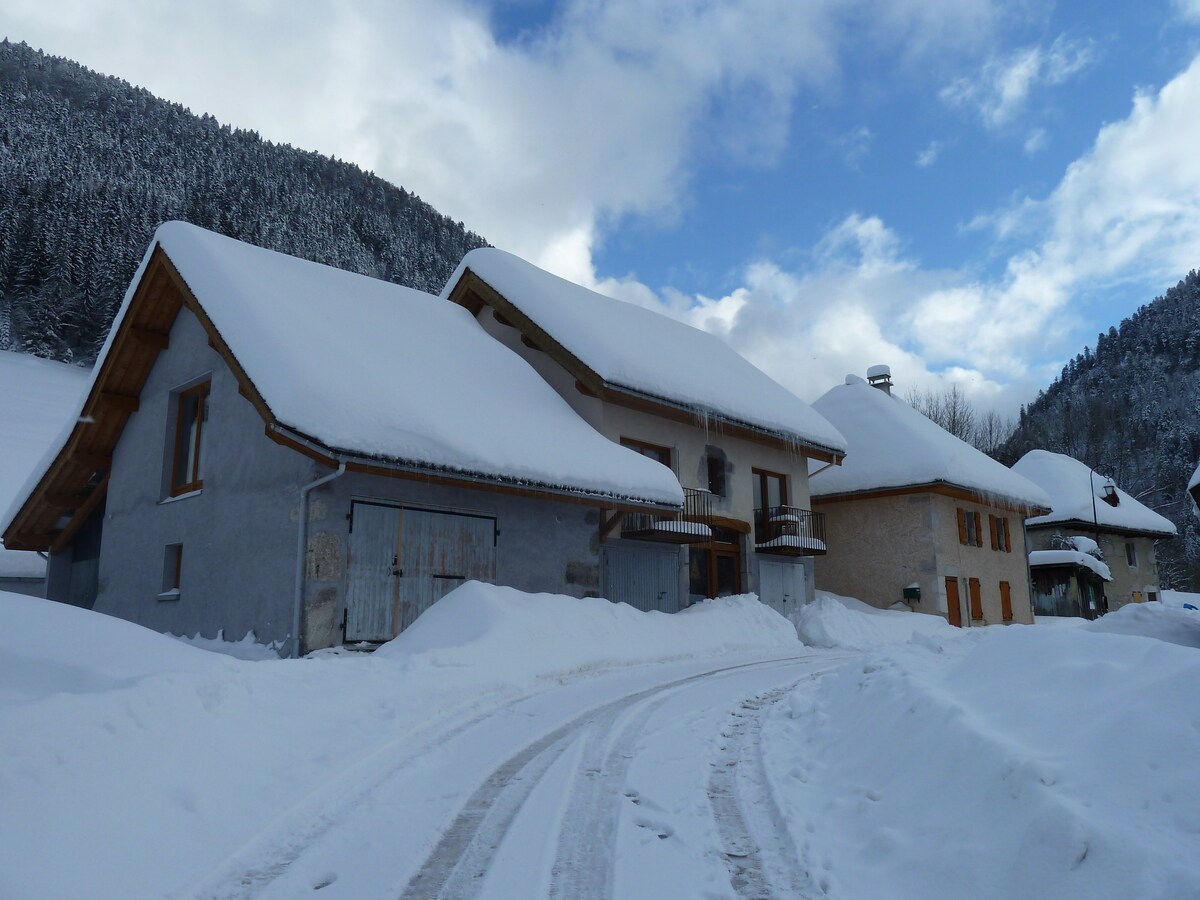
(953, 611)
(992, 531)
(1005, 602)
(976, 600)
(1007, 537)
(978, 530)
(962, 525)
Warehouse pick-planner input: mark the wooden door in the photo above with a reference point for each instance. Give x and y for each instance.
(438, 552)
(1005, 601)
(976, 599)
(372, 572)
(953, 608)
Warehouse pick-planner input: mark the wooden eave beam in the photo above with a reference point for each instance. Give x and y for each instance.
(155, 340)
(609, 523)
(126, 403)
(81, 515)
(64, 500)
(939, 488)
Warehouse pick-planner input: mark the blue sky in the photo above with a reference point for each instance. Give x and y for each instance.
(966, 190)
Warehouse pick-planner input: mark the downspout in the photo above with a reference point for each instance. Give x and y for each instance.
(301, 533)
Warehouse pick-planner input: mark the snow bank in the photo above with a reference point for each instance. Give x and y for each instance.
(832, 621)
(155, 763)
(36, 397)
(1177, 599)
(893, 445)
(635, 348)
(507, 635)
(248, 648)
(1152, 620)
(1076, 494)
(51, 648)
(1018, 762)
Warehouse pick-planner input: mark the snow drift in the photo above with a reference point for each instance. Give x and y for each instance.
(832, 622)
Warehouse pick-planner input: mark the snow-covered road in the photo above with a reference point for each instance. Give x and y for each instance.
(642, 783)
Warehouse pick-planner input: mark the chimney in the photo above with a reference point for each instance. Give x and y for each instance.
(880, 377)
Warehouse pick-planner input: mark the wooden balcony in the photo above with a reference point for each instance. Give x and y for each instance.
(692, 525)
(789, 531)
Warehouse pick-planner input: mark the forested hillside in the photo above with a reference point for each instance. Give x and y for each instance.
(1132, 408)
(90, 165)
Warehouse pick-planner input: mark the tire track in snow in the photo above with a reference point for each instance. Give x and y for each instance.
(757, 847)
(460, 861)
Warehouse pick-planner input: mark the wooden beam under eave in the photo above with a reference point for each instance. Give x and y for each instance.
(92, 461)
(29, 542)
(608, 524)
(64, 500)
(155, 340)
(81, 515)
(127, 403)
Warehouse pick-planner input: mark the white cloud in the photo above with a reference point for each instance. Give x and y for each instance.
(1035, 141)
(929, 155)
(1188, 9)
(1000, 91)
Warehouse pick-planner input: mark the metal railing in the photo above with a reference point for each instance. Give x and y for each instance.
(789, 530)
(691, 525)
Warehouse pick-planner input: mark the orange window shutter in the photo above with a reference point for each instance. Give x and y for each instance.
(1007, 538)
(962, 525)
(1005, 601)
(978, 530)
(976, 599)
(992, 531)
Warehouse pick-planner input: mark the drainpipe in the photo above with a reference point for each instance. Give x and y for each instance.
(297, 600)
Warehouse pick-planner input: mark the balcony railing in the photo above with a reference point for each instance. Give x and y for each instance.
(693, 525)
(789, 531)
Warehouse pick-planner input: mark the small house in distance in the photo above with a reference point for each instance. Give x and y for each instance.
(917, 516)
(273, 445)
(1086, 503)
(1069, 579)
(738, 442)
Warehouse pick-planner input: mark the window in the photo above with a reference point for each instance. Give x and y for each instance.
(976, 599)
(970, 528)
(191, 412)
(172, 570)
(1006, 601)
(716, 473)
(770, 489)
(653, 451)
(1001, 536)
(1131, 554)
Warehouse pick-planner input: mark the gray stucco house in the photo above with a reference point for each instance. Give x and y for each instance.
(739, 443)
(272, 445)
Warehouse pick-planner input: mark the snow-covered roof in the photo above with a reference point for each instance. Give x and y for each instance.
(1072, 488)
(638, 350)
(36, 397)
(372, 369)
(1069, 558)
(894, 446)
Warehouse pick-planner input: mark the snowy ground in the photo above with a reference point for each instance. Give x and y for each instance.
(511, 745)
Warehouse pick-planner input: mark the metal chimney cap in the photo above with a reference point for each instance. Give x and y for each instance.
(879, 372)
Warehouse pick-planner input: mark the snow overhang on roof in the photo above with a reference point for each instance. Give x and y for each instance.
(1039, 558)
(895, 448)
(340, 366)
(632, 355)
(1077, 495)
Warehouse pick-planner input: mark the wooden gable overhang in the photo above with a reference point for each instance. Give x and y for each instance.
(1087, 526)
(76, 481)
(473, 293)
(942, 488)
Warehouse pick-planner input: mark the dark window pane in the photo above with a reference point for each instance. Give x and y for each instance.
(727, 576)
(698, 586)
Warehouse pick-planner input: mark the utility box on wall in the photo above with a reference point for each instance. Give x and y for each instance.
(913, 592)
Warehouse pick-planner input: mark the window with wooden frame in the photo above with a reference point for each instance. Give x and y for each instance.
(1006, 612)
(970, 528)
(191, 414)
(770, 489)
(976, 598)
(653, 451)
(1001, 536)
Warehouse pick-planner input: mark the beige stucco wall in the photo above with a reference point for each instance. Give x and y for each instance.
(1128, 585)
(878, 546)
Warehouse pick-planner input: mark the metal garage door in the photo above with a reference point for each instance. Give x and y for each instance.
(404, 560)
(781, 585)
(644, 576)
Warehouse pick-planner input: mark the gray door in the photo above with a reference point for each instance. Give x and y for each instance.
(644, 576)
(781, 585)
(402, 561)
(372, 572)
(439, 551)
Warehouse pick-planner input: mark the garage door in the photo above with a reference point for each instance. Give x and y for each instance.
(781, 585)
(403, 560)
(645, 576)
